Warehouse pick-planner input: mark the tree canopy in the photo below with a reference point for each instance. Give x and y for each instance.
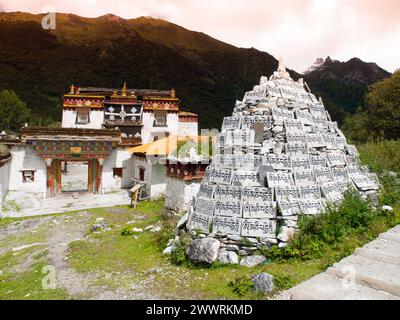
(13, 111)
(380, 118)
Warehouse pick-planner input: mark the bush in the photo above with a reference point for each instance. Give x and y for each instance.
(178, 256)
(283, 282)
(241, 286)
(335, 233)
(167, 232)
(127, 231)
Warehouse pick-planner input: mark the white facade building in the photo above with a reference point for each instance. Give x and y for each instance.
(28, 171)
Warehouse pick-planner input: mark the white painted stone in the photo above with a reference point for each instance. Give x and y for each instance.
(252, 261)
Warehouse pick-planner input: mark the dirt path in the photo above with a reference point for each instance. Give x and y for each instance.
(56, 233)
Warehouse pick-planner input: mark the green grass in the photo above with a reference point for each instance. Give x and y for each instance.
(111, 252)
(381, 156)
(26, 285)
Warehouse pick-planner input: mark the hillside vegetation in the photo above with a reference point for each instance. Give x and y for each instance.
(208, 74)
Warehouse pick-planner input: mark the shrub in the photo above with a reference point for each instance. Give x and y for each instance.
(241, 286)
(335, 233)
(127, 231)
(178, 256)
(283, 282)
(167, 232)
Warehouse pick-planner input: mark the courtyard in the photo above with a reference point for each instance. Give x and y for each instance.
(105, 264)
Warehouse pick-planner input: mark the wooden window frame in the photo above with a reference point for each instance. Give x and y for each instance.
(81, 110)
(142, 173)
(26, 174)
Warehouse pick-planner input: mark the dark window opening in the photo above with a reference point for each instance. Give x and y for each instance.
(141, 173)
(117, 172)
(160, 118)
(82, 116)
(28, 176)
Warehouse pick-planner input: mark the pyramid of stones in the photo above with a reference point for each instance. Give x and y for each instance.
(278, 156)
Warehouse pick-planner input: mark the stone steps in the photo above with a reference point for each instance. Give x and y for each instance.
(373, 272)
(368, 272)
(328, 287)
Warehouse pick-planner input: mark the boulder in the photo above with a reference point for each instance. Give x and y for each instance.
(286, 234)
(169, 249)
(263, 282)
(203, 250)
(100, 226)
(228, 257)
(387, 208)
(234, 237)
(137, 229)
(252, 261)
(282, 245)
(232, 247)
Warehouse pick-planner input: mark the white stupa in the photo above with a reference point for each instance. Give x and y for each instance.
(278, 156)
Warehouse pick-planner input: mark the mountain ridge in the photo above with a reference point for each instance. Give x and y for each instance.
(208, 74)
(354, 69)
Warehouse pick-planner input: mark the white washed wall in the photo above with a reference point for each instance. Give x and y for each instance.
(179, 193)
(149, 132)
(24, 158)
(119, 158)
(96, 119)
(158, 180)
(188, 129)
(137, 162)
(4, 181)
(154, 175)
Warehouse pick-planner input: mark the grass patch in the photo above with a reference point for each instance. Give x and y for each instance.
(26, 285)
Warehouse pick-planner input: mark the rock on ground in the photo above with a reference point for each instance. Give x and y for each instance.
(228, 257)
(203, 250)
(263, 282)
(169, 249)
(100, 226)
(252, 261)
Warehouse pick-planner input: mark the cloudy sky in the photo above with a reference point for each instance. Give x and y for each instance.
(299, 31)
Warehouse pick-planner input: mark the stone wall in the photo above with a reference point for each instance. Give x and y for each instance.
(278, 156)
(179, 193)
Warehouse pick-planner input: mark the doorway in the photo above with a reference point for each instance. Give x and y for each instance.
(74, 176)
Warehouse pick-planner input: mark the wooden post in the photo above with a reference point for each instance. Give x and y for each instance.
(99, 173)
(135, 194)
(50, 178)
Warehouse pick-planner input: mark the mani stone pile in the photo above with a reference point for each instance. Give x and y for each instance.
(278, 156)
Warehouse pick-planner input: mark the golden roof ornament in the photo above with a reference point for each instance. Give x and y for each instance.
(124, 90)
(173, 93)
(72, 89)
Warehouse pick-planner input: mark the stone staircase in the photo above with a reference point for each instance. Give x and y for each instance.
(371, 273)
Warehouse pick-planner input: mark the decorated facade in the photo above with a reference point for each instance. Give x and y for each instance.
(141, 113)
(100, 126)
